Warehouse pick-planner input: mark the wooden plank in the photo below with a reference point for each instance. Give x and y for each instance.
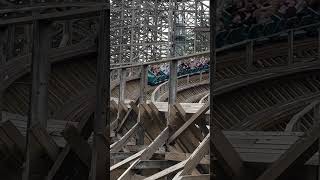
(46, 141)
(193, 118)
(58, 162)
(115, 147)
(295, 119)
(84, 127)
(199, 177)
(130, 113)
(127, 160)
(149, 151)
(227, 157)
(167, 171)
(100, 146)
(39, 99)
(14, 134)
(10, 150)
(297, 154)
(196, 156)
(183, 116)
(78, 145)
(153, 164)
(173, 156)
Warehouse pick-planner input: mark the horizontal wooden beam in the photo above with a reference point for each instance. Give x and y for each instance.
(300, 152)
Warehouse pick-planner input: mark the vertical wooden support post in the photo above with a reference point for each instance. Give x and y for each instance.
(143, 83)
(188, 78)
(40, 72)
(1, 105)
(213, 32)
(316, 119)
(10, 41)
(36, 166)
(122, 85)
(290, 48)
(2, 49)
(173, 64)
(249, 55)
(142, 100)
(319, 43)
(67, 34)
(316, 115)
(28, 33)
(172, 91)
(195, 24)
(100, 147)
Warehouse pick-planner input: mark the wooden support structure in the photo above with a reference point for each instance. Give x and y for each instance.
(172, 92)
(35, 165)
(45, 140)
(186, 125)
(294, 122)
(319, 43)
(131, 113)
(14, 143)
(122, 87)
(249, 55)
(147, 154)
(296, 155)
(228, 158)
(2, 46)
(142, 100)
(85, 128)
(199, 177)
(66, 34)
(115, 147)
(188, 164)
(78, 145)
(143, 83)
(10, 40)
(213, 61)
(195, 158)
(290, 47)
(100, 148)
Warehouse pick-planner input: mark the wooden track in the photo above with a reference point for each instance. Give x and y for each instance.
(145, 145)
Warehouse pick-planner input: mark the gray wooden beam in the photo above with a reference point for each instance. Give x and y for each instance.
(319, 43)
(78, 144)
(85, 128)
(148, 152)
(122, 87)
(186, 125)
(2, 46)
(227, 157)
(46, 141)
(35, 164)
(195, 157)
(300, 152)
(290, 47)
(143, 83)
(10, 41)
(100, 148)
(172, 92)
(250, 55)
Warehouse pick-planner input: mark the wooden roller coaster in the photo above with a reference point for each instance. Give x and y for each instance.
(266, 109)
